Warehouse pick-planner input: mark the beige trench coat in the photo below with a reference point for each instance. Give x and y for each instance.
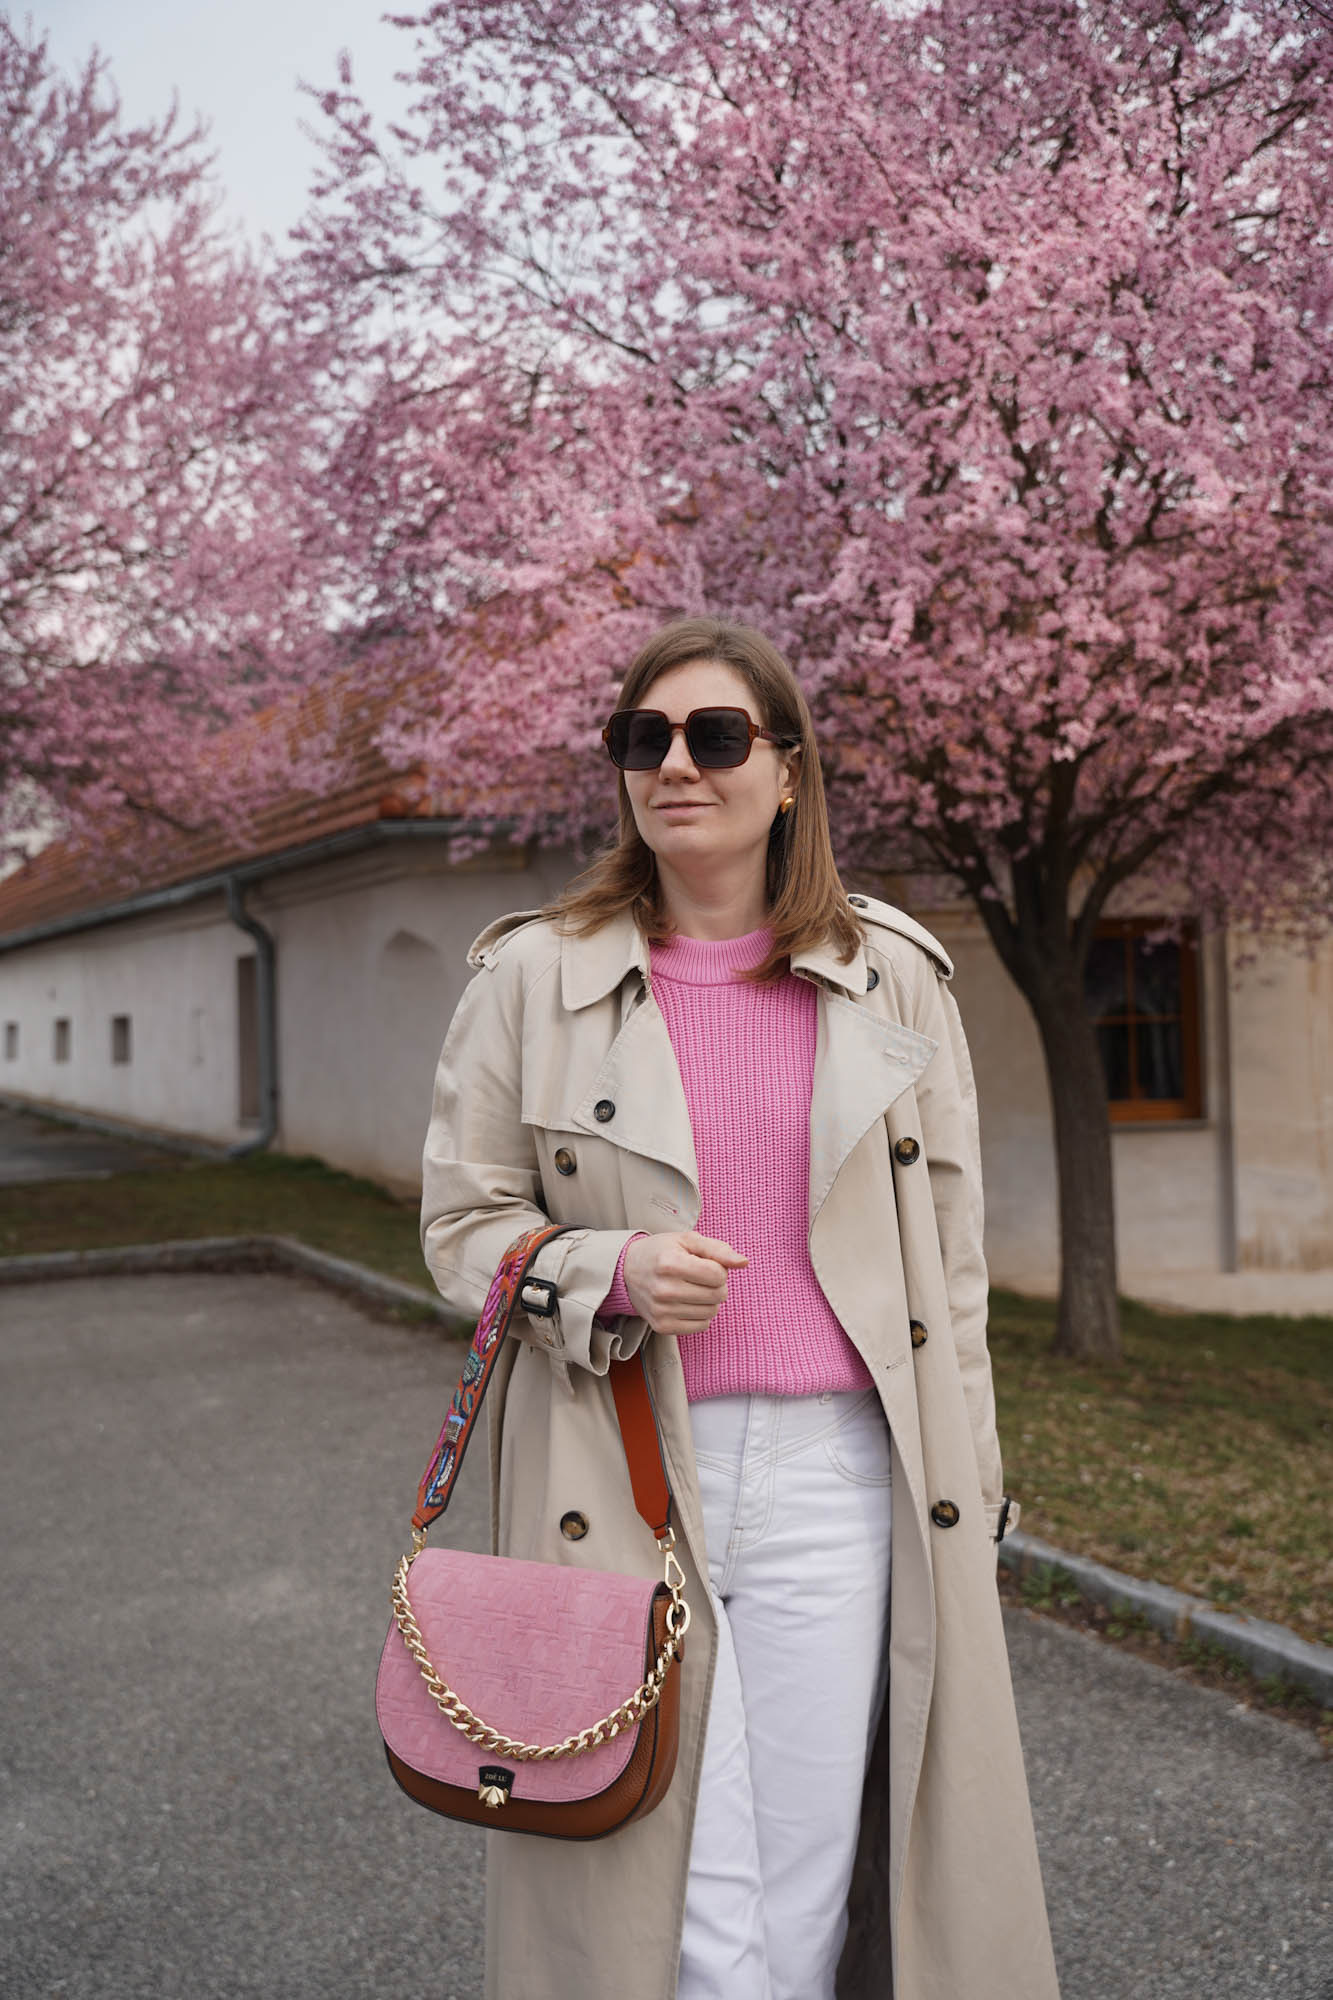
(558, 1095)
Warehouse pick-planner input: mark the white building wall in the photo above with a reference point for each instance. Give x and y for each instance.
(1282, 1060)
(174, 975)
(371, 961)
(371, 958)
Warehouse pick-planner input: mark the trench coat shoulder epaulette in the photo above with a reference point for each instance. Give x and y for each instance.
(872, 911)
(486, 947)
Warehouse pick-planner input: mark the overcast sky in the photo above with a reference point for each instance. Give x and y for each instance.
(235, 62)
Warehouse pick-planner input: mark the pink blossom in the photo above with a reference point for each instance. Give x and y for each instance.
(157, 417)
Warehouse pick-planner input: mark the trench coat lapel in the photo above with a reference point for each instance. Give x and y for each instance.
(863, 1063)
(641, 1078)
(639, 1074)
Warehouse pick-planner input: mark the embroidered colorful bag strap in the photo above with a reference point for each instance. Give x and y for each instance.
(484, 1351)
(513, 1290)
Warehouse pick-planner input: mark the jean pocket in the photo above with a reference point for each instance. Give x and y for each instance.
(860, 1450)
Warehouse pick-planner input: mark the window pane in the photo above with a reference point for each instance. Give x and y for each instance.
(1104, 980)
(1156, 978)
(1160, 1060)
(1114, 1046)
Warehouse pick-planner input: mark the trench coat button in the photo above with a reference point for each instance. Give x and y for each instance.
(603, 1110)
(857, 902)
(906, 1151)
(872, 980)
(565, 1163)
(944, 1514)
(573, 1526)
(918, 1333)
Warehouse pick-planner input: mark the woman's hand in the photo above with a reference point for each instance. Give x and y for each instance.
(677, 1280)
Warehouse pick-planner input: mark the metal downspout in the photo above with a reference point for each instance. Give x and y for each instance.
(1229, 1218)
(266, 997)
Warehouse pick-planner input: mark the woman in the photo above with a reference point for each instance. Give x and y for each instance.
(752, 1094)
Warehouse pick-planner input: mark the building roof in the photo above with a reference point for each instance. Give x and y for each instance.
(129, 856)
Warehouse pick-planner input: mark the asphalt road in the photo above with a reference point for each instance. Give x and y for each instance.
(204, 1482)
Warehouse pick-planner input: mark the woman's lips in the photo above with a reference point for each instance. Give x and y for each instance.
(683, 806)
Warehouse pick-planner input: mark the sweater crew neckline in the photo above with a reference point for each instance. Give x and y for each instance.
(711, 961)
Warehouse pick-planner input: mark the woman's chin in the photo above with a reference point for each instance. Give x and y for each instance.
(683, 836)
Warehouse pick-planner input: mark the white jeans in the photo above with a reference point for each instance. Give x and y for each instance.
(796, 1503)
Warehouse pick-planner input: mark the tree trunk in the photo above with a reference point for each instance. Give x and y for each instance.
(1088, 1324)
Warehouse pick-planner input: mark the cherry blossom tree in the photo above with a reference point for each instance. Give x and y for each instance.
(978, 352)
(157, 425)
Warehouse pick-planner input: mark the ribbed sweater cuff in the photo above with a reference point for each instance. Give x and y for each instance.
(618, 1301)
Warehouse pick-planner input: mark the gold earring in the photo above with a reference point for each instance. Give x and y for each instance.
(786, 805)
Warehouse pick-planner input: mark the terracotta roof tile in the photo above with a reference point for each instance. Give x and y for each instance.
(130, 855)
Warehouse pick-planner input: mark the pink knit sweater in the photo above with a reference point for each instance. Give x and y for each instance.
(747, 1061)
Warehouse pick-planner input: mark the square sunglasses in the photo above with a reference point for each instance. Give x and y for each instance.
(718, 739)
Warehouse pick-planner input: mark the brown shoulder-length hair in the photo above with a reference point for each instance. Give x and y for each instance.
(807, 902)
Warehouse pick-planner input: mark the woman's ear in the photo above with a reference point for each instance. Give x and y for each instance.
(790, 772)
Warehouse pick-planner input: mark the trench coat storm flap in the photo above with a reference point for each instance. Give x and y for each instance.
(558, 1096)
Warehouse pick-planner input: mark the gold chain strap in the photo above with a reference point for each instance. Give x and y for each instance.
(630, 1712)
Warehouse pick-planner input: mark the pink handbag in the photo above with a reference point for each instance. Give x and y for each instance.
(535, 1696)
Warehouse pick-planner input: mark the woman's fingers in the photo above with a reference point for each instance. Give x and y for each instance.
(699, 1264)
(713, 1249)
(678, 1279)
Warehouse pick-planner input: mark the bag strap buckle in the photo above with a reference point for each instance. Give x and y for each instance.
(538, 1296)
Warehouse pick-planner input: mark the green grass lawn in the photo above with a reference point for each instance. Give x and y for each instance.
(267, 1194)
(1205, 1462)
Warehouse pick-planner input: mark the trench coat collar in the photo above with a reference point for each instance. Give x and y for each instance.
(593, 966)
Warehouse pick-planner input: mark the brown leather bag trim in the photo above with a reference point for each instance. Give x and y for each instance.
(641, 1785)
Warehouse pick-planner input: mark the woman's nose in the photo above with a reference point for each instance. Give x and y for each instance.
(678, 761)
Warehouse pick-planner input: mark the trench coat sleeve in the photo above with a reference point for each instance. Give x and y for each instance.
(951, 1137)
(481, 1186)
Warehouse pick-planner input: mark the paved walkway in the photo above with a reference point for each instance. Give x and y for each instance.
(1298, 1293)
(204, 1483)
(1240, 1292)
(44, 1149)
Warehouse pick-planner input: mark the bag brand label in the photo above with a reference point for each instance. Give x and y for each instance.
(494, 1784)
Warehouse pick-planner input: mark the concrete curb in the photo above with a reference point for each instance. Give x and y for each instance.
(1264, 1648)
(229, 1253)
(1268, 1650)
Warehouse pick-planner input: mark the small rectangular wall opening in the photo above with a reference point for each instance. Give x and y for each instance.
(60, 1039)
(247, 1034)
(120, 1038)
(11, 1041)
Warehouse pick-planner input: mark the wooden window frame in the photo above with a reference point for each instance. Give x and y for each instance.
(1187, 1108)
